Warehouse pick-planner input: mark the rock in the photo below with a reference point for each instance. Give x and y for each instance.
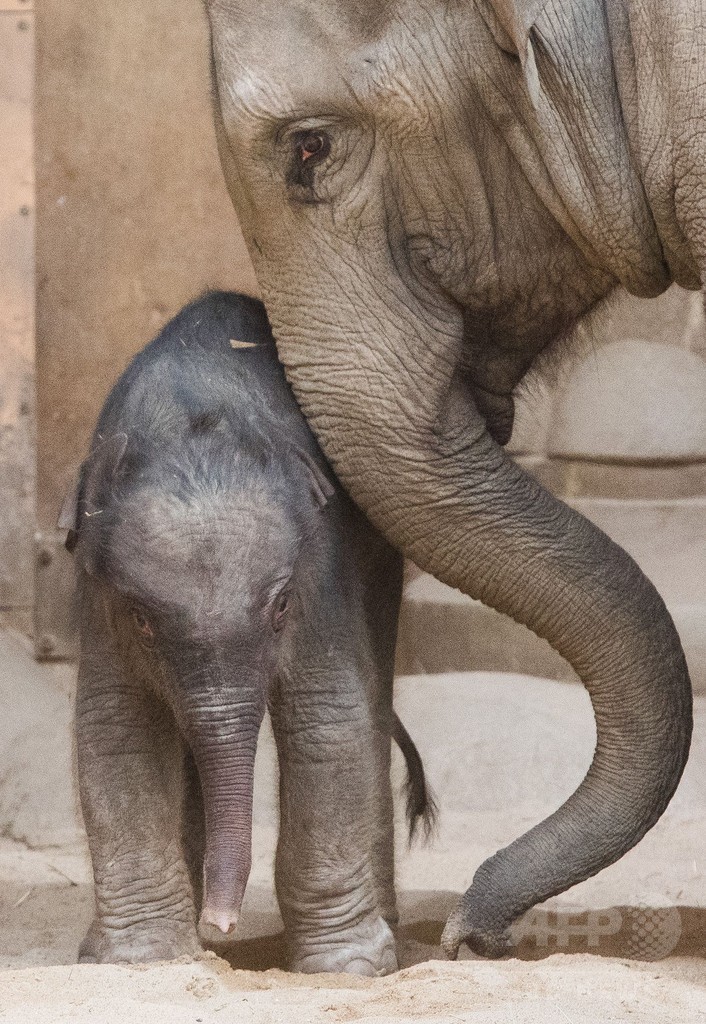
(578, 478)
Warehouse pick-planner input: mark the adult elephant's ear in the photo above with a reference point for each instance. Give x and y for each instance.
(94, 474)
(511, 23)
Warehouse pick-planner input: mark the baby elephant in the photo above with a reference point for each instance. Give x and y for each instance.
(220, 571)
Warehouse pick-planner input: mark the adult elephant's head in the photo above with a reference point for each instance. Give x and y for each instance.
(418, 240)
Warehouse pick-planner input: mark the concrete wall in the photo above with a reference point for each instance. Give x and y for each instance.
(133, 221)
(134, 218)
(16, 309)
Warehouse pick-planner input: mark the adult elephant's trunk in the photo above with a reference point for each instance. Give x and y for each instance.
(552, 570)
(221, 723)
(398, 422)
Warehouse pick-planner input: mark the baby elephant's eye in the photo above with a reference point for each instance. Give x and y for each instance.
(143, 627)
(279, 612)
(313, 147)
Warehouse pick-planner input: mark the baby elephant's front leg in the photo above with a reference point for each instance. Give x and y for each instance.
(144, 906)
(325, 871)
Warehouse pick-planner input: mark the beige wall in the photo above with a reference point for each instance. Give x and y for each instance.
(16, 307)
(134, 218)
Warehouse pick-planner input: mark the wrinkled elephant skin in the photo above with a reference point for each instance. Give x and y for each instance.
(433, 192)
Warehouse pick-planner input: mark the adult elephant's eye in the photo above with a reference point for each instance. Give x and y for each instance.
(313, 147)
(310, 149)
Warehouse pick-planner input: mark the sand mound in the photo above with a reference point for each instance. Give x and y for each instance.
(577, 990)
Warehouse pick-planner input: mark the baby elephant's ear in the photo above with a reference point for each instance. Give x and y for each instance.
(321, 486)
(68, 516)
(98, 469)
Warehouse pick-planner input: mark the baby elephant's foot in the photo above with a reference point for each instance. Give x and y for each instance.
(367, 948)
(138, 944)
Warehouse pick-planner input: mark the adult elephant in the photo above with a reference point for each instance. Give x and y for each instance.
(434, 192)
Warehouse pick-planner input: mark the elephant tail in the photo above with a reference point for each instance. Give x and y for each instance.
(422, 808)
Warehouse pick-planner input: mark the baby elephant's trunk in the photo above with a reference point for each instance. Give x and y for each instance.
(221, 717)
(226, 763)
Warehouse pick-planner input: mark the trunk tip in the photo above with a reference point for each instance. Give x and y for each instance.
(224, 920)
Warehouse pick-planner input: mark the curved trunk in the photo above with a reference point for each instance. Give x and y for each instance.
(397, 421)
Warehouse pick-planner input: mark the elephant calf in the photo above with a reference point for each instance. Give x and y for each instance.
(221, 571)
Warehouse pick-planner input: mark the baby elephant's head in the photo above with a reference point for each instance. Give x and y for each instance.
(201, 565)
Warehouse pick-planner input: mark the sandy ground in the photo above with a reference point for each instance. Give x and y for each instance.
(560, 990)
(501, 752)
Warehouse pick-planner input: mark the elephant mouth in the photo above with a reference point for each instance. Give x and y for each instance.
(498, 411)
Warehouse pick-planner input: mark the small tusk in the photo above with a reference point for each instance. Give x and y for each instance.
(242, 344)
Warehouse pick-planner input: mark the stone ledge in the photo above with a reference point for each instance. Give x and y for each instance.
(577, 478)
(442, 630)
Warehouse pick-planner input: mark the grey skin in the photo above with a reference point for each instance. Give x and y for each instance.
(220, 570)
(433, 193)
